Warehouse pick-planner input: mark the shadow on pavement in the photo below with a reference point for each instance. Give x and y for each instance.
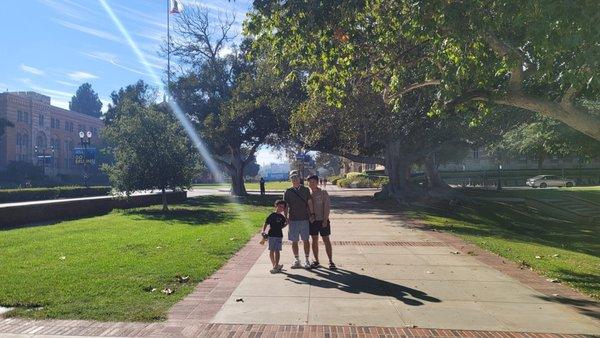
(352, 282)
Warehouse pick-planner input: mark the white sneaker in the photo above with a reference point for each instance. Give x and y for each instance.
(280, 267)
(296, 265)
(275, 270)
(307, 265)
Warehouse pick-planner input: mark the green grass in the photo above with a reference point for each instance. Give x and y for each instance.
(101, 268)
(568, 251)
(588, 193)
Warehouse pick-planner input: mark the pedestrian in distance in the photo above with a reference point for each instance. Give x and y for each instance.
(262, 186)
(299, 215)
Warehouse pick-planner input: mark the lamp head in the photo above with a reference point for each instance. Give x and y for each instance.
(89, 134)
(81, 134)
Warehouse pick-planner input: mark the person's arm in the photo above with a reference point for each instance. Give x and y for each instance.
(287, 206)
(310, 207)
(267, 221)
(326, 207)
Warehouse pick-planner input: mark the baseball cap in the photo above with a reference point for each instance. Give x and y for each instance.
(294, 173)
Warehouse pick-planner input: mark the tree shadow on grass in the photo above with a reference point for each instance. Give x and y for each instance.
(182, 215)
(352, 282)
(250, 200)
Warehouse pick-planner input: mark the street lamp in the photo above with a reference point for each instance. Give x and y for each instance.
(85, 138)
(499, 185)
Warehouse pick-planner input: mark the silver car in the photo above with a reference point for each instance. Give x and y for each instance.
(544, 181)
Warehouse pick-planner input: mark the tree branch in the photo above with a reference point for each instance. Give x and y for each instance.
(387, 98)
(504, 50)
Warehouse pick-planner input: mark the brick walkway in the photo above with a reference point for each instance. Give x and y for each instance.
(372, 255)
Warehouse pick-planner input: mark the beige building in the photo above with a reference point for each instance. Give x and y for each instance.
(52, 131)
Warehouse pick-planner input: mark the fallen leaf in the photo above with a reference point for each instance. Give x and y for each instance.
(167, 291)
(555, 255)
(555, 294)
(455, 252)
(429, 272)
(239, 300)
(62, 258)
(232, 238)
(158, 247)
(551, 280)
(538, 257)
(183, 279)
(412, 326)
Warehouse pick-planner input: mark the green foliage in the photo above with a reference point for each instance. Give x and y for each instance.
(38, 194)
(151, 149)
(352, 175)
(356, 181)
(472, 53)
(139, 92)
(334, 179)
(86, 101)
(103, 268)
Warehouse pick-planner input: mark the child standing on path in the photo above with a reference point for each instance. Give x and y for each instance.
(276, 222)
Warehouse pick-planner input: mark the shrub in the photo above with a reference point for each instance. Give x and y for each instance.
(37, 194)
(356, 182)
(354, 175)
(334, 179)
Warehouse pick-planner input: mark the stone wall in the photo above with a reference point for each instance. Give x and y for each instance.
(44, 212)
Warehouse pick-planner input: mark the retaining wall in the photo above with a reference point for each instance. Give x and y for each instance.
(43, 212)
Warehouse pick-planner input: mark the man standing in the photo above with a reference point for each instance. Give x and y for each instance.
(320, 225)
(299, 214)
(262, 186)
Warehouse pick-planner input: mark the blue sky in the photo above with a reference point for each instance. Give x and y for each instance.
(53, 46)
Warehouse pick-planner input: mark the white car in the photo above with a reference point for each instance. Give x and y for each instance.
(544, 181)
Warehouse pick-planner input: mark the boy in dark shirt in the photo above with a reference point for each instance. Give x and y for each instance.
(276, 222)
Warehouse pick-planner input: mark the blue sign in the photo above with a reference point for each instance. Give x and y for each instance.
(84, 155)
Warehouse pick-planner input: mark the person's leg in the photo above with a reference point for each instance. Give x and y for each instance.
(305, 236)
(277, 256)
(328, 248)
(315, 247)
(295, 249)
(272, 257)
(294, 236)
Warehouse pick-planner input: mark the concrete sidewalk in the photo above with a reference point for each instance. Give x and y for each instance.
(391, 275)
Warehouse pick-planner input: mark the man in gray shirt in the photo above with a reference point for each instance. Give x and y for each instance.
(299, 215)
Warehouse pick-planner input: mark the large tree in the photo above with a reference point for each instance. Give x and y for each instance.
(236, 105)
(151, 150)
(536, 56)
(86, 101)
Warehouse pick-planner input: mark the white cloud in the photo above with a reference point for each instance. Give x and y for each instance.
(66, 83)
(88, 30)
(112, 59)
(81, 76)
(32, 70)
(66, 7)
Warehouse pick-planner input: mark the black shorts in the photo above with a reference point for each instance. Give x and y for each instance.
(317, 228)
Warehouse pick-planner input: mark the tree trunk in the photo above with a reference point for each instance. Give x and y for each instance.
(540, 162)
(434, 180)
(164, 200)
(397, 168)
(237, 177)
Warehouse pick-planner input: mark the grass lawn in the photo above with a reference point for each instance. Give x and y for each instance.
(103, 267)
(588, 193)
(568, 251)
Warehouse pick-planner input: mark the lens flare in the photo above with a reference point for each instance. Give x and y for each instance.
(185, 122)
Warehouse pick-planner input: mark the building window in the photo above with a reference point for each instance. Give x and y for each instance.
(476, 153)
(19, 116)
(18, 139)
(57, 124)
(41, 120)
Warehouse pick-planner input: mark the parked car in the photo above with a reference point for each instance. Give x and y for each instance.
(544, 181)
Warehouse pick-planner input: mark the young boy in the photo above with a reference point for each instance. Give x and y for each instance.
(276, 222)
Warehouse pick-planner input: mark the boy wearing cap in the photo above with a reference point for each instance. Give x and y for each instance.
(298, 213)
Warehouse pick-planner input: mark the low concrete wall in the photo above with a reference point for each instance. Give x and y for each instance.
(18, 215)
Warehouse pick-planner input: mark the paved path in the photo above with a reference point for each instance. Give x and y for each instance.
(394, 279)
(392, 275)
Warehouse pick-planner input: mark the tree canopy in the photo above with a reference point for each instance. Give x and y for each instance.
(536, 56)
(151, 150)
(86, 101)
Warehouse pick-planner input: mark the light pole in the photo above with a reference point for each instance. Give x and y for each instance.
(85, 138)
(499, 185)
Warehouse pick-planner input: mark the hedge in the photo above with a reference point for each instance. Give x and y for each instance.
(37, 194)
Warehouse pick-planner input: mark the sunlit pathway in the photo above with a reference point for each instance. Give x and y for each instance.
(392, 275)
(394, 279)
